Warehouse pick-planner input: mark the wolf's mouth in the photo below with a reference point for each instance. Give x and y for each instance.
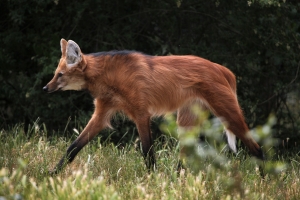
(46, 89)
(58, 89)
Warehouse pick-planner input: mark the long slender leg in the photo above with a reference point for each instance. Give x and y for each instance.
(94, 126)
(143, 125)
(187, 119)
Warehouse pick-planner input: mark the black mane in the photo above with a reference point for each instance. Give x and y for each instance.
(113, 53)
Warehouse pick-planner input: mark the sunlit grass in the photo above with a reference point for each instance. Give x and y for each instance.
(107, 171)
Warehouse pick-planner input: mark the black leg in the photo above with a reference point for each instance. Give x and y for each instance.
(72, 151)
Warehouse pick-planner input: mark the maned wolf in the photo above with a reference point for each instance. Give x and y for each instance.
(144, 86)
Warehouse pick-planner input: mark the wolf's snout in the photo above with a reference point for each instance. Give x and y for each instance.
(45, 88)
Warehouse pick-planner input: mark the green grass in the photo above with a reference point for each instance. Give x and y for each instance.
(106, 171)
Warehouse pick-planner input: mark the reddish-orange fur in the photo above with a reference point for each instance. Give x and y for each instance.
(143, 86)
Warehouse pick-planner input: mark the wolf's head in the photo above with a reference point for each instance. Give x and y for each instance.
(69, 74)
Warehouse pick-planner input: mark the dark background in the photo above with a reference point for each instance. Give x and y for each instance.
(258, 41)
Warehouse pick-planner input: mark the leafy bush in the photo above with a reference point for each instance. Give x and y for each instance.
(106, 171)
(258, 41)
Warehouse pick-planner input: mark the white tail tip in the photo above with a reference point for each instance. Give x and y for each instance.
(231, 138)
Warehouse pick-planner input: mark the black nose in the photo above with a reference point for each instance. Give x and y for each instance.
(45, 88)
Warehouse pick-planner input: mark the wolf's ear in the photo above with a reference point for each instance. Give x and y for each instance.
(73, 54)
(63, 46)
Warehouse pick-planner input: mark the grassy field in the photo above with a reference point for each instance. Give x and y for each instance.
(107, 171)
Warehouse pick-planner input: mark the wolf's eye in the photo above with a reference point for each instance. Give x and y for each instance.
(60, 74)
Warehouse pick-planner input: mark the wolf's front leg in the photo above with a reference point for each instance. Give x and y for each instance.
(95, 125)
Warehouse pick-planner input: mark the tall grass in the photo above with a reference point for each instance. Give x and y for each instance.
(107, 171)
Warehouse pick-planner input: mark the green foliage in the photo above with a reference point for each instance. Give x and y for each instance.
(213, 148)
(257, 39)
(105, 171)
